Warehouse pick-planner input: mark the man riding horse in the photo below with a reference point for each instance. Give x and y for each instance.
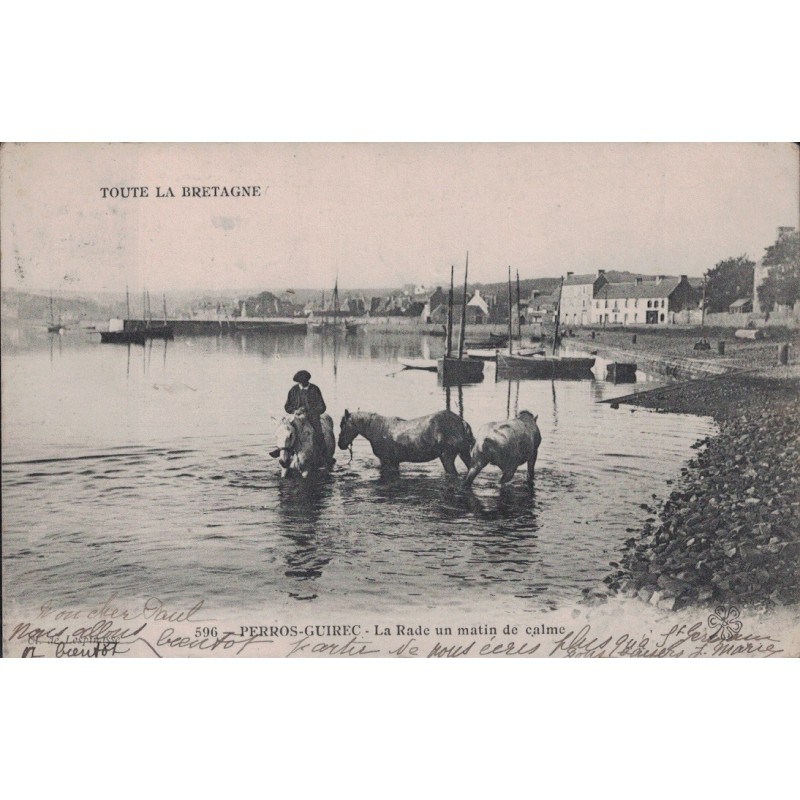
(306, 396)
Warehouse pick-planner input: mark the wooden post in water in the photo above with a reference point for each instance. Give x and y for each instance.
(462, 332)
(510, 336)
(449, 343)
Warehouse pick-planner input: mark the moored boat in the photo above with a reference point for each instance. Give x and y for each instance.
(427, 364)
(546, 367)
(122, 337)
(460, 370)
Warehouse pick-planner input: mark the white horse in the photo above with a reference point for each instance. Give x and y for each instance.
(506, 444)
(295, 445)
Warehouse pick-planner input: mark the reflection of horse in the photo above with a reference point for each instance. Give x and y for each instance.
(442, 435)
(295, 450)
(506, 445)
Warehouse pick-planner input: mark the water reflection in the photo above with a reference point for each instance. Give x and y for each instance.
(300, 507)
(181, 466)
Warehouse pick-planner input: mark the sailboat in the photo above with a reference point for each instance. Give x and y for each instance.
(346, 325)
(338, 325)
(128, 334)
(315, 325)
(163, 331)
(460, 369)
(52, 325)
(540, 366)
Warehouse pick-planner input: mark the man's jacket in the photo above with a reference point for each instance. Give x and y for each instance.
(310, 399)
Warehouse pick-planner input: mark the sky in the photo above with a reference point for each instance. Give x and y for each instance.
(380, 215)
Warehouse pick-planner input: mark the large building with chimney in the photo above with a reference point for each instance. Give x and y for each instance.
(577, 294)
(661, 301)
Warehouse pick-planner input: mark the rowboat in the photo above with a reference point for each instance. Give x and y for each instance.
(427, 364)
(494, 340)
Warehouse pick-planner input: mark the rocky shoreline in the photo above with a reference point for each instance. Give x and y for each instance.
(730, 530)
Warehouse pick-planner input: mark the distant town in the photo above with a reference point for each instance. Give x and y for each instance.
(737, 288)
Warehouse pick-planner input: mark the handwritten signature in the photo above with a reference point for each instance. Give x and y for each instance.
(681, 641)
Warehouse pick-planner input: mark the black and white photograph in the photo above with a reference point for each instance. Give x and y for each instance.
(400, 400)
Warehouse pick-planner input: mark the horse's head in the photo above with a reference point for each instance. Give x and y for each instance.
(347, 431)
(286, 440)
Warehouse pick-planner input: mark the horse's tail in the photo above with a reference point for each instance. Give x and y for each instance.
(468, 433)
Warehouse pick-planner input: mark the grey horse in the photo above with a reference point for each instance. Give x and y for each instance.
(442, 435)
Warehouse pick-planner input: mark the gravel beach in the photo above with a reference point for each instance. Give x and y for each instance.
(730, 530)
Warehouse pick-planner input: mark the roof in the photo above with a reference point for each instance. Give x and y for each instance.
(579, 280)
(742, 302)
(614, 291)
(479, 302)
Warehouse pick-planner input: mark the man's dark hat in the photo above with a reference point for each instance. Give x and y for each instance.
(302, 376)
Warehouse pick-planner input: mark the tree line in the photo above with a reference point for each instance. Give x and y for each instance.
(732, 279)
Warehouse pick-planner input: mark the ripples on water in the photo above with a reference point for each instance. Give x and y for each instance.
(145, 471)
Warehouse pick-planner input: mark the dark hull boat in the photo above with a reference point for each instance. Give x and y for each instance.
(460, 370)
(159, 332)
(122, 337)
(546, 367)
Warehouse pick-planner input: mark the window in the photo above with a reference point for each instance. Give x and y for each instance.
(606, 306)
(662, 317)
(649, 303)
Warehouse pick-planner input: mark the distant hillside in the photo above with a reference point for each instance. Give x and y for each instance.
(36, 307)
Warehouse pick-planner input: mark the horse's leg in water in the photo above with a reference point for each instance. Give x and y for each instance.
(531, 466)
(508, 474)
(464, 455)
(477, 465)
(448, 459)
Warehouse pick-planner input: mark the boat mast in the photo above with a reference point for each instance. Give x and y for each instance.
(165, 309)
(463, 330)
(52, 318)
(510, 336)
(149, 312)
(127, 303)
(449, 342)
(519, 314)
(558, 316)
(336, 303)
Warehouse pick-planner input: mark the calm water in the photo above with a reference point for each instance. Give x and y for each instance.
(144, 471)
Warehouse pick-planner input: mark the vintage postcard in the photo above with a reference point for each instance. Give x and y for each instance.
(400, 400)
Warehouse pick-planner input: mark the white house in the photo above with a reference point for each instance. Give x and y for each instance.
(577, 293)
(654, 302)
(477, 309)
